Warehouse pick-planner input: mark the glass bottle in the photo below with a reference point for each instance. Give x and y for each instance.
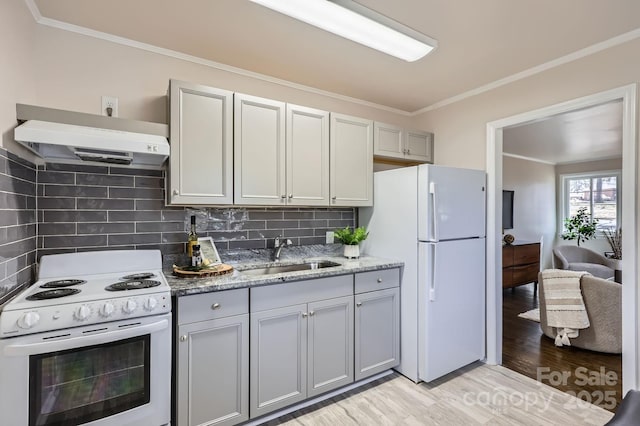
(193, 237)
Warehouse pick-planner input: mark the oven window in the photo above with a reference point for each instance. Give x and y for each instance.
(89, 383)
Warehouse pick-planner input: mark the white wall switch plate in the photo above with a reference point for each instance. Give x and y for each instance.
(329, 237)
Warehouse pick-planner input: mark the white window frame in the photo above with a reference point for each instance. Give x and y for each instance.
(565, 201)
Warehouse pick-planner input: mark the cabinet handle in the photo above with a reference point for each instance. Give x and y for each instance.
(215, 306)
(283, 196)
(290, 196)
(304, 315)
(175, 192)
(183, 338)
(404, 151)
(379, 280)
(333, 198)
(408, 152)
(358, 304)
(311, 313)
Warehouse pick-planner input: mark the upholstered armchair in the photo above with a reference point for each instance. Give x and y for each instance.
(577, 258)
(603, 302)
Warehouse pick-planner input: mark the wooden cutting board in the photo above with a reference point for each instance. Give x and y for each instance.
(211, 271)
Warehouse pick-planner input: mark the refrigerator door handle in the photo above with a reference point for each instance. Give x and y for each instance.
(432, 280)
(434, 210)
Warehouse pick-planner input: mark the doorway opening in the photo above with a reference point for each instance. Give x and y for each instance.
(524, 296)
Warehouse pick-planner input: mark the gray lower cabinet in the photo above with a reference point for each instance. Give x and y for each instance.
(212, 359)
(303, 349)
(377, 331)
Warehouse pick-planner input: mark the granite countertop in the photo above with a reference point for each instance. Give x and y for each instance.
(248, 259)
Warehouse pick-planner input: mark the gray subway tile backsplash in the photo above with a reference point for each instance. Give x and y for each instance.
(84, 207)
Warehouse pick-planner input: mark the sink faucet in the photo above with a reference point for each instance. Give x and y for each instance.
(278, 244)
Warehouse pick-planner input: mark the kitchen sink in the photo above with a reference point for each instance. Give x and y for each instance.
(278, 269)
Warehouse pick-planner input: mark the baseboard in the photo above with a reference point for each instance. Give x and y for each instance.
(317, 399)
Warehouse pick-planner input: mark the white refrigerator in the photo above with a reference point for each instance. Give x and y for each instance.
(433, 219)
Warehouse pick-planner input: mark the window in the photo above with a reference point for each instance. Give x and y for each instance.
(598, 192)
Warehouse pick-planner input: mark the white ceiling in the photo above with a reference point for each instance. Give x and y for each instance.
(480, 42)
(576, 136)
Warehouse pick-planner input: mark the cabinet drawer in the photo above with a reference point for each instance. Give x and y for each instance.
(207, 306)
(525, 273)
(507, 256)
(377, 280)
(526, 254)
(298, 292)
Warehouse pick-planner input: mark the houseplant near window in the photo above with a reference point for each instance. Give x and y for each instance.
(351, 240)
(579, 227)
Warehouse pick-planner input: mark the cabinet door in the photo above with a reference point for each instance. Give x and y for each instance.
(419, 146)
(212, 372)
(278, 358)
(351, 161)
(388, 141)
(259, 151)
(330, 355)
(307, 144)
(377, 332)
(201, 160)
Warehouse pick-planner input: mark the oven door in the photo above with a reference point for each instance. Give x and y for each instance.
(107, 374)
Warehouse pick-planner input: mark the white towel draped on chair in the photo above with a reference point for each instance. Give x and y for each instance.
(565, 307)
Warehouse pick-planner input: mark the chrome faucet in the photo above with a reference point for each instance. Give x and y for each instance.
(278, 244)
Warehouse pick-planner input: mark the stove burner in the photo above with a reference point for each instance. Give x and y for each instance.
(62, 283)
(53, 294)
(140, 276)
(132, 285)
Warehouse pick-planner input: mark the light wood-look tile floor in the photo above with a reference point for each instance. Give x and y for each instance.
(476, 395)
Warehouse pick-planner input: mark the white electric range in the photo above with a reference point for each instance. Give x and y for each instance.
(89, 342)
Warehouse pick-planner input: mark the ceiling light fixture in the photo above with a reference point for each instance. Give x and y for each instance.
(355, 22)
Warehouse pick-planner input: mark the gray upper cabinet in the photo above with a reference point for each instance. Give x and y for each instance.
(201, 135)
(307, 150)
(351, 161)
(259, 151)
(212, 359)
(419, 145)
(396, 143)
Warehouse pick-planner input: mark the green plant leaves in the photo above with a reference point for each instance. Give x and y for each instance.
(580, 226)
(346, 236)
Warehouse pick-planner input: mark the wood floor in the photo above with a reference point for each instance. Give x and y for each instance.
(476, 395)
(525, 350)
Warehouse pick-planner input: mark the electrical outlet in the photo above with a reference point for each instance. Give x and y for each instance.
(109, 102)
(329, 239)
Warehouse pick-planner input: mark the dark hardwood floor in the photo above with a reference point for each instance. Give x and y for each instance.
(591, 376)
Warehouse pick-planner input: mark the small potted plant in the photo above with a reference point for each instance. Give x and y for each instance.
(351, 240)
(579, 227)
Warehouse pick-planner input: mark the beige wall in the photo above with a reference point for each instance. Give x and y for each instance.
(598, 244)
(460, 128)
(17, 43)
(534, 210)
(73, 72)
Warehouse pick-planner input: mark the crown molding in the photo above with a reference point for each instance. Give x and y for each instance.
(53, 23)
(590, 50)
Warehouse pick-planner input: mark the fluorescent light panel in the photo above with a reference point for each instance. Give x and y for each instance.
(357, 23)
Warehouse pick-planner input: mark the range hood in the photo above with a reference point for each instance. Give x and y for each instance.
(59, 136)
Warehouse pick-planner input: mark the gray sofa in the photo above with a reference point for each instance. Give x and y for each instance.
(603, 301)
(577, 258)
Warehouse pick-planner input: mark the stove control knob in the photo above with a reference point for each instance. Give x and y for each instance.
(82, 313)
(129, 306)
(107, 309)
(28, 320)
(150, 304)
